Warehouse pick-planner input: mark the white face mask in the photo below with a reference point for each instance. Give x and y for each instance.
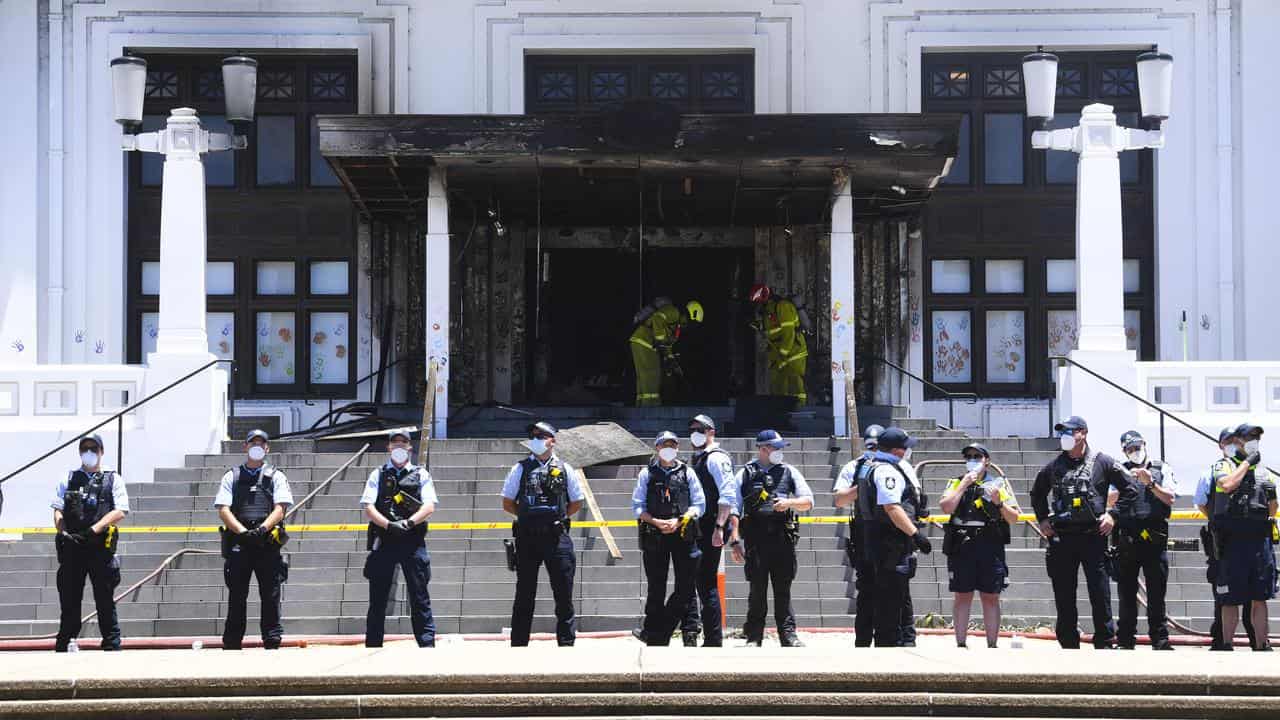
(907, 455)
(1137, 457)
(399, 455)
(1251, 446)
(1068, 442)
(257, 452)
(668, 454)
(698, 439)
(776, 457)
(89, 458)
(973, 465)
(1230, 451)
(537, 446)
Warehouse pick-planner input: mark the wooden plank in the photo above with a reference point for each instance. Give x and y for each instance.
(596, 515)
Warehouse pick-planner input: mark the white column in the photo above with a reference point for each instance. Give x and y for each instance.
(842, 315)
(1099, 243)
(182, 238)
(436, 302)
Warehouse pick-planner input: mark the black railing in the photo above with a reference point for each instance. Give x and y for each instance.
(950, 396)
(1150, 405)
(118, 418)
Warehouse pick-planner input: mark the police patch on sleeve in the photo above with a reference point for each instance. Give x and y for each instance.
(890, 483)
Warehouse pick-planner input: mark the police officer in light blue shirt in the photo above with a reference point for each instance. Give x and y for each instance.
(398, 499)
(667, 502)
(87, 504)
(714, 469)
(543, 493)
(251, 503)
(1226, 443)
(845, 493)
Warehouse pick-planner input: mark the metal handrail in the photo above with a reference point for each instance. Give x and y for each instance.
(316, 490)
(1150, 405)
(948, 394)
(119, 417)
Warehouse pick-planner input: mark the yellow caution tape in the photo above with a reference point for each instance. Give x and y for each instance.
(502, 525)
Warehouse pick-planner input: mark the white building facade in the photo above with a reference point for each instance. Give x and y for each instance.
(78, 252)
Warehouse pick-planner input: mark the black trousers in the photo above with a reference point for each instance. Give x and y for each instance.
(1066, 555)
(1215, 630)
(411, 556)
(1151, 558)
(661, 612)
(242, 564)
(892, 623)
(770, 560)
(707, 595)
(556, 552)
(102, 568)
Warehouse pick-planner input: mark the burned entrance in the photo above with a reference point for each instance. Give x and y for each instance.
(561, 226)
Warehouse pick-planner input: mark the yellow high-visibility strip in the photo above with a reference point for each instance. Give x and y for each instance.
(641, 342)
(503, 525)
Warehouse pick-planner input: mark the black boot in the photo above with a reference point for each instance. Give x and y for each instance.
(640, 635)
(690, 639)
(790, 640)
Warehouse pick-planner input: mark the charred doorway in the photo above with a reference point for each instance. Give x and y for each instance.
(589, 298)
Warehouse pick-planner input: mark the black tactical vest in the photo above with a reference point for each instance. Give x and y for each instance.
(873, 511)
(974, 510)
(543, 499)
(253, 495)
(1245, 511)
(1147, 510)
(668, 494)
(400, 495)
(1076, 503)
(710, 490)
(88, 499)
(759, 489)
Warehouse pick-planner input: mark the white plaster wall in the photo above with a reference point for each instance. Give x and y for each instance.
(1258, 259)
(19, 146)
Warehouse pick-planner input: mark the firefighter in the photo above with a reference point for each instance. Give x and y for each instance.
(788, 357)
(656, 332)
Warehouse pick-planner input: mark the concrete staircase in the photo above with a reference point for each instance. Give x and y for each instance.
(471, 587)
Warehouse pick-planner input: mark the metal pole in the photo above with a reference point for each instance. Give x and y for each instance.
(119, 444)
(231, 391)
(951, 413)
(1161, 437)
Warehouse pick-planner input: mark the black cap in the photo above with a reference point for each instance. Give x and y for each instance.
(1244, 430)
(404, 432)
(870, 436)
(96, 439)
(704, 421)
(665, 436)
(1131, 438)
(1225, 434)
(254, 434)
(541, 428)
(1075, 422)
(979, 447)
(771, 438)
(895, 438)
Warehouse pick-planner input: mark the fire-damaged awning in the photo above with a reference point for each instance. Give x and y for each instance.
(383, 160)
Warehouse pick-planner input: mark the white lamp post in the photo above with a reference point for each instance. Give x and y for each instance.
(1099, 141)
(182, 206)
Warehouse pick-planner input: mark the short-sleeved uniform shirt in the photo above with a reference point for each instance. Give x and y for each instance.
(370, 494)
(280, 493)
(511, 486)
(119, 495)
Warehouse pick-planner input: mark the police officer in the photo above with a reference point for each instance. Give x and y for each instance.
(772, 493)
(87, 504)
(844, 494)
(1242, 505)
(398, 498)
(1069, 497)
(667, 502)
(788, 350)
(251, 503)
(543, 493)
(889, 503)
(982, 508)
(1141, 541)
(714, 469)
(1226, 443)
